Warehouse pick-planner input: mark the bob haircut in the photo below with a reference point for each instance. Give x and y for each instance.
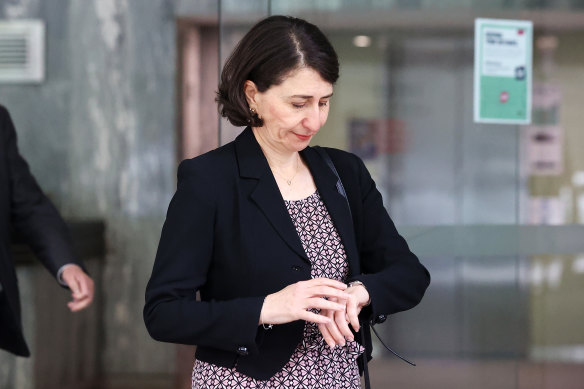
(266, 55)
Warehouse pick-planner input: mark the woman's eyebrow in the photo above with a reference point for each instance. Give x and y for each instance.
(310, 97)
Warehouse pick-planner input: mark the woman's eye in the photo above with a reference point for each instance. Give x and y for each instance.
(303, 105)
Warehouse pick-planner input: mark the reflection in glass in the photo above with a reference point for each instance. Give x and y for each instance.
(504, 307)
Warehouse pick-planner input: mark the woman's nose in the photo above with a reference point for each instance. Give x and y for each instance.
(312, 121)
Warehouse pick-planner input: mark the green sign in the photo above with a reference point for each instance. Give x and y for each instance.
(503, 71)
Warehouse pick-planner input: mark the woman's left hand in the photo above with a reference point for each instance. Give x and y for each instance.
(337, 331)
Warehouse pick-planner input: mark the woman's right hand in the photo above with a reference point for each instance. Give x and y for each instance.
(294, 301)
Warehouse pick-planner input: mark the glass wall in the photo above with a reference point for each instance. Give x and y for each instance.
(493, 211)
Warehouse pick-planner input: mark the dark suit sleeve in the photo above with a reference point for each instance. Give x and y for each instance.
(392, 274)
(184, 256)
(34, 219)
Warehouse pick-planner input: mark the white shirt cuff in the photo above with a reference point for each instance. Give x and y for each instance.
(60, 273)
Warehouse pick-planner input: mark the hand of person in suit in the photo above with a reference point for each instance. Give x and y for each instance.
(337, 330)
(294, 302)
(81, 286)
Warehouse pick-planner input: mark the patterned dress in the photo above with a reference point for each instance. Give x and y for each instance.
(313, 364)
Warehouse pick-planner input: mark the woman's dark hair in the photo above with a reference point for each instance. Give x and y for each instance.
(273, 48)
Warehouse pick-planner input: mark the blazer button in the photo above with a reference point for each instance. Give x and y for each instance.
(381, 319)
(296, 268)
(242, 351)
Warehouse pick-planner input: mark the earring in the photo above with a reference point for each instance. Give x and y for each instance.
(253, 111)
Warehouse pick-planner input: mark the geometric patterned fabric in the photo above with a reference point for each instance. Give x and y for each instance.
(313, 365)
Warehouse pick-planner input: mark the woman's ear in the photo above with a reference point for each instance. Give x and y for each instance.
(251, 91)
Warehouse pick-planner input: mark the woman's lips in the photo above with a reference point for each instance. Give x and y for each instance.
(303, 137)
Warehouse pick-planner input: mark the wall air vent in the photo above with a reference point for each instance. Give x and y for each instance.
(22, 51)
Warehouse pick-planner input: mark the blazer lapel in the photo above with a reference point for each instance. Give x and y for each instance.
(336, 205)
(253, 167)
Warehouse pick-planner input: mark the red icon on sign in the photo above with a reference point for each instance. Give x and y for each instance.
(520, 31)
(503, 97)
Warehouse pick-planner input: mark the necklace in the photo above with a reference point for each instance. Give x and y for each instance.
(288, 180)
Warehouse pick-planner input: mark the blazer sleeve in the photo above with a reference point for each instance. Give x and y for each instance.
(185, 252)
(393, 275)
(34, 219)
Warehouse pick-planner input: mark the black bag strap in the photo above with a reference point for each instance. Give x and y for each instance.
(341, 189)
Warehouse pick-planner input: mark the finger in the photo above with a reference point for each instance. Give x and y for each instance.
(77, 296)
(78, 291)
(90, 287)
(328, 338)
(83, 285)
(75, 305)
(313, 317)
(327, 282)
(78, 305)
(327, 291)
(333, 330)
(353, 314)
(343, 326)
(320, 303)
(336, 333)
(90, 292)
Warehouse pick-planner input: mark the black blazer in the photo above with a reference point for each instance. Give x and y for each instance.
(228, 235)
(25, 212)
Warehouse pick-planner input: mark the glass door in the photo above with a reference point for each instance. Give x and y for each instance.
(500, 234)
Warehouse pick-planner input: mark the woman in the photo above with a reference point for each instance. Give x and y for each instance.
(284, 268)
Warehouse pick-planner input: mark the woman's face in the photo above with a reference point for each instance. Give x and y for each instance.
(292, 111)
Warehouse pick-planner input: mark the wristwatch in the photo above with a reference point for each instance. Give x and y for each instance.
(357, 283)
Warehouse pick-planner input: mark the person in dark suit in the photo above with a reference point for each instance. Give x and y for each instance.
(286, 268)
(27, 213)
